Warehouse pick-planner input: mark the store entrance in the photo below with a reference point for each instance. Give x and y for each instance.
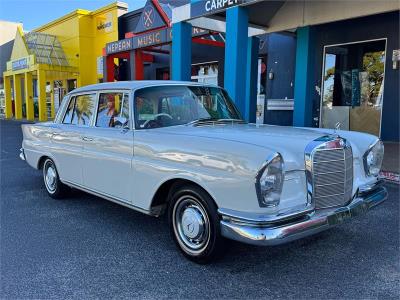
(353, 81)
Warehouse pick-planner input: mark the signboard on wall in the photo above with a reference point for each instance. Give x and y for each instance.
(20, 64)
(100, 65)
(156, 37)
(207, 7)
(150, 18)
(104, 23)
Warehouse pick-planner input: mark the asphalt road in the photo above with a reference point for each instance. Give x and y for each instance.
(86, 247)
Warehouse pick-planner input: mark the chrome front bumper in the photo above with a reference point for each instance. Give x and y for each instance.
(268, 234)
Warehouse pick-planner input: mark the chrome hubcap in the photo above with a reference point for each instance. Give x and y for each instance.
(50, 177)
(191, 225)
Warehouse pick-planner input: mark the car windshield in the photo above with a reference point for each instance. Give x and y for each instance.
(164, 106)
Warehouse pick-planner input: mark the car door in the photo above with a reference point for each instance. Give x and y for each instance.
(66, 139)
(108, 147)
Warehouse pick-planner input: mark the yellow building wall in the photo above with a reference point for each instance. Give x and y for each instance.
(67, 31)
(83, 35)
(97, 29)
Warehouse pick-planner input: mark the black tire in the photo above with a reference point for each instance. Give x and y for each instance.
(54, 187)
(188, 205)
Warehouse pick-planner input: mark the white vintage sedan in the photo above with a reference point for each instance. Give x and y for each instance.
(183, 148)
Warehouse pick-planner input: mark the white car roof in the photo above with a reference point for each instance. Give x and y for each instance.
(132, 85)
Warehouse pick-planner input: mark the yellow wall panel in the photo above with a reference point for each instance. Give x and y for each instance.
(19, 48)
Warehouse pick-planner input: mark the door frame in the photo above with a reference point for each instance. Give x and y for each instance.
(323, 69)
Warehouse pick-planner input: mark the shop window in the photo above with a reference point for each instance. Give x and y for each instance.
(353, 82)
(205, 72)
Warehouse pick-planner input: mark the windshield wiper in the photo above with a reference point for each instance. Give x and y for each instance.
(231, 120)
(202, 120)
(210, 119)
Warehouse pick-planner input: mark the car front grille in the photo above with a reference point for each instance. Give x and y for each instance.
(332, 176)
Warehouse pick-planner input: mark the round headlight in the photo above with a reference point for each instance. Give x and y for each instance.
(269, 181)
(373, 158)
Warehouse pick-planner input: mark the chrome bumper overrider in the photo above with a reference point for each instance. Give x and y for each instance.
(22, 154)
(261, 233)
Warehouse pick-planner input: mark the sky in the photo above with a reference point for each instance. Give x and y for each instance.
(34, 13)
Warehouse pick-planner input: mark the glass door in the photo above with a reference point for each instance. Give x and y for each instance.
(353, 81)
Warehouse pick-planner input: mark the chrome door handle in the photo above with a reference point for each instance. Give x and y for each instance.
(87, 139)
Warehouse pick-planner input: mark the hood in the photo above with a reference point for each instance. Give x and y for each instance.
(289, 141)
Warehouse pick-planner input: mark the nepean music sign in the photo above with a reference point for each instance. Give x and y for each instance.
(143, 40)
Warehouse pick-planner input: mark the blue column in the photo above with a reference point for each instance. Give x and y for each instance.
(181, 51)
(251, 79)
(236, 55)
(304, 78)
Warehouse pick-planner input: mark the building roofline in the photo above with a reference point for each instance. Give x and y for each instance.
(81, 12)
(117, 4)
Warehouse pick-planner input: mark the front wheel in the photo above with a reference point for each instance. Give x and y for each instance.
(54, 187)
(194, 224)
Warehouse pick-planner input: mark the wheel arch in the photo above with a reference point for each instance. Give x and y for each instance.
(164, 191)
(41, 161)
(43, 158)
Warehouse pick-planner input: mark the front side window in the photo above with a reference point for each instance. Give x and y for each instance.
(113, 110)
(177, 105)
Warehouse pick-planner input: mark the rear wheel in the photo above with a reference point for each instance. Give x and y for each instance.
(54, 187)
(194, 224)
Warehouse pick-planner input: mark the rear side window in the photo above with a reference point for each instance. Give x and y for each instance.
(113, 110)
(80, 110)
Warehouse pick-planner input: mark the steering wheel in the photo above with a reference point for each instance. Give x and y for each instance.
(149, 122)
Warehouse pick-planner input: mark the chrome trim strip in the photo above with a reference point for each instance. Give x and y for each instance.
(257, 219)
(275, 234)
(22, 154)
(154, 212)
(331, 195)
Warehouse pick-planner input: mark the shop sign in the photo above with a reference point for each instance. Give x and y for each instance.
(150, 39)
(150, 18)
(119, 46)
(195, 33)
(143, 40)
(104, 23)
(206, 7)
(20, 64)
